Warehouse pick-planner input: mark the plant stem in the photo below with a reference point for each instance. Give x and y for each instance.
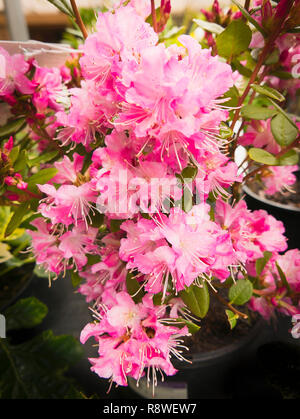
(265, 52)
(237, 312)
(78, 19)
(247, 5)
(153, 14)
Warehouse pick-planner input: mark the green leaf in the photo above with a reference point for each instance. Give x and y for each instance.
(283, 131)
(63, 7)
(283, 278)
(243, 70)
(262, 156)
(189, 172)
(17, 218)
(281, 74)
(268, 91)
(172, 34)
(250, 19)
(40, 272)
(134, 288)
(257, 112)
(209, 26)
(43, 158)
(75, 279)
(115, 225)
(35, 369)
(233, 95)
(21, 161)
(180, 322)
(14, 153)
(232, 318)
(280, 110)
(261, 262)
(240, 292)
(12, 127)
(234, 39)
(273, 58)
(25, 314)
(196, 299)
(5, 254)
(42, 176)
(290, 158)
(225, 132)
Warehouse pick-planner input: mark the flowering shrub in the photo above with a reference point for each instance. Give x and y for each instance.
(121, 166)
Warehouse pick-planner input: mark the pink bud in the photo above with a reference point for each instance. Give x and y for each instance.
(22, 185)
(10, 181)
(9, 144)
(11, 196)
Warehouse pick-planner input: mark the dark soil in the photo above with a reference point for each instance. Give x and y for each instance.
(215, 331)
(286, 198)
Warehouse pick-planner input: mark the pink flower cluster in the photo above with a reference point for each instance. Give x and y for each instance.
(131, 338)
(270, 297)
(143, 194)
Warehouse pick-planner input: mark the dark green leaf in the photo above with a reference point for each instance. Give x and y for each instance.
(180, 322)
(273, 58)
(290, 158)
(268, 91)
(115, 225)
(240, 292)
(250, 19)
(134, 288)
(41, 177)
(196, 299)
(189, 172)
(234, 39)
(280, 110)
(262, 156)
(232, 318)
(43, 158)
(284, 75)
(261, 262)
(257, 112)
(283, 278)
(17, 218)
(12, 127)
(14, 153)
(35, 369)
(283, 131)
(75, 279)
(244, 71)
(21, 161)
(26, 313)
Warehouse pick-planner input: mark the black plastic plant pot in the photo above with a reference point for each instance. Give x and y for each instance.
(208, 374)
(289, 215)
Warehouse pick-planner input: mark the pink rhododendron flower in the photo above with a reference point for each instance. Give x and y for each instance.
(12, 74)
(132, 338)
(168, 94)
(89, 114)
(68, 204)
(120, 36)
(278, 178)
(259, 135)
(251, 233)
(68, 170)
(49, 92)
(77, 243)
